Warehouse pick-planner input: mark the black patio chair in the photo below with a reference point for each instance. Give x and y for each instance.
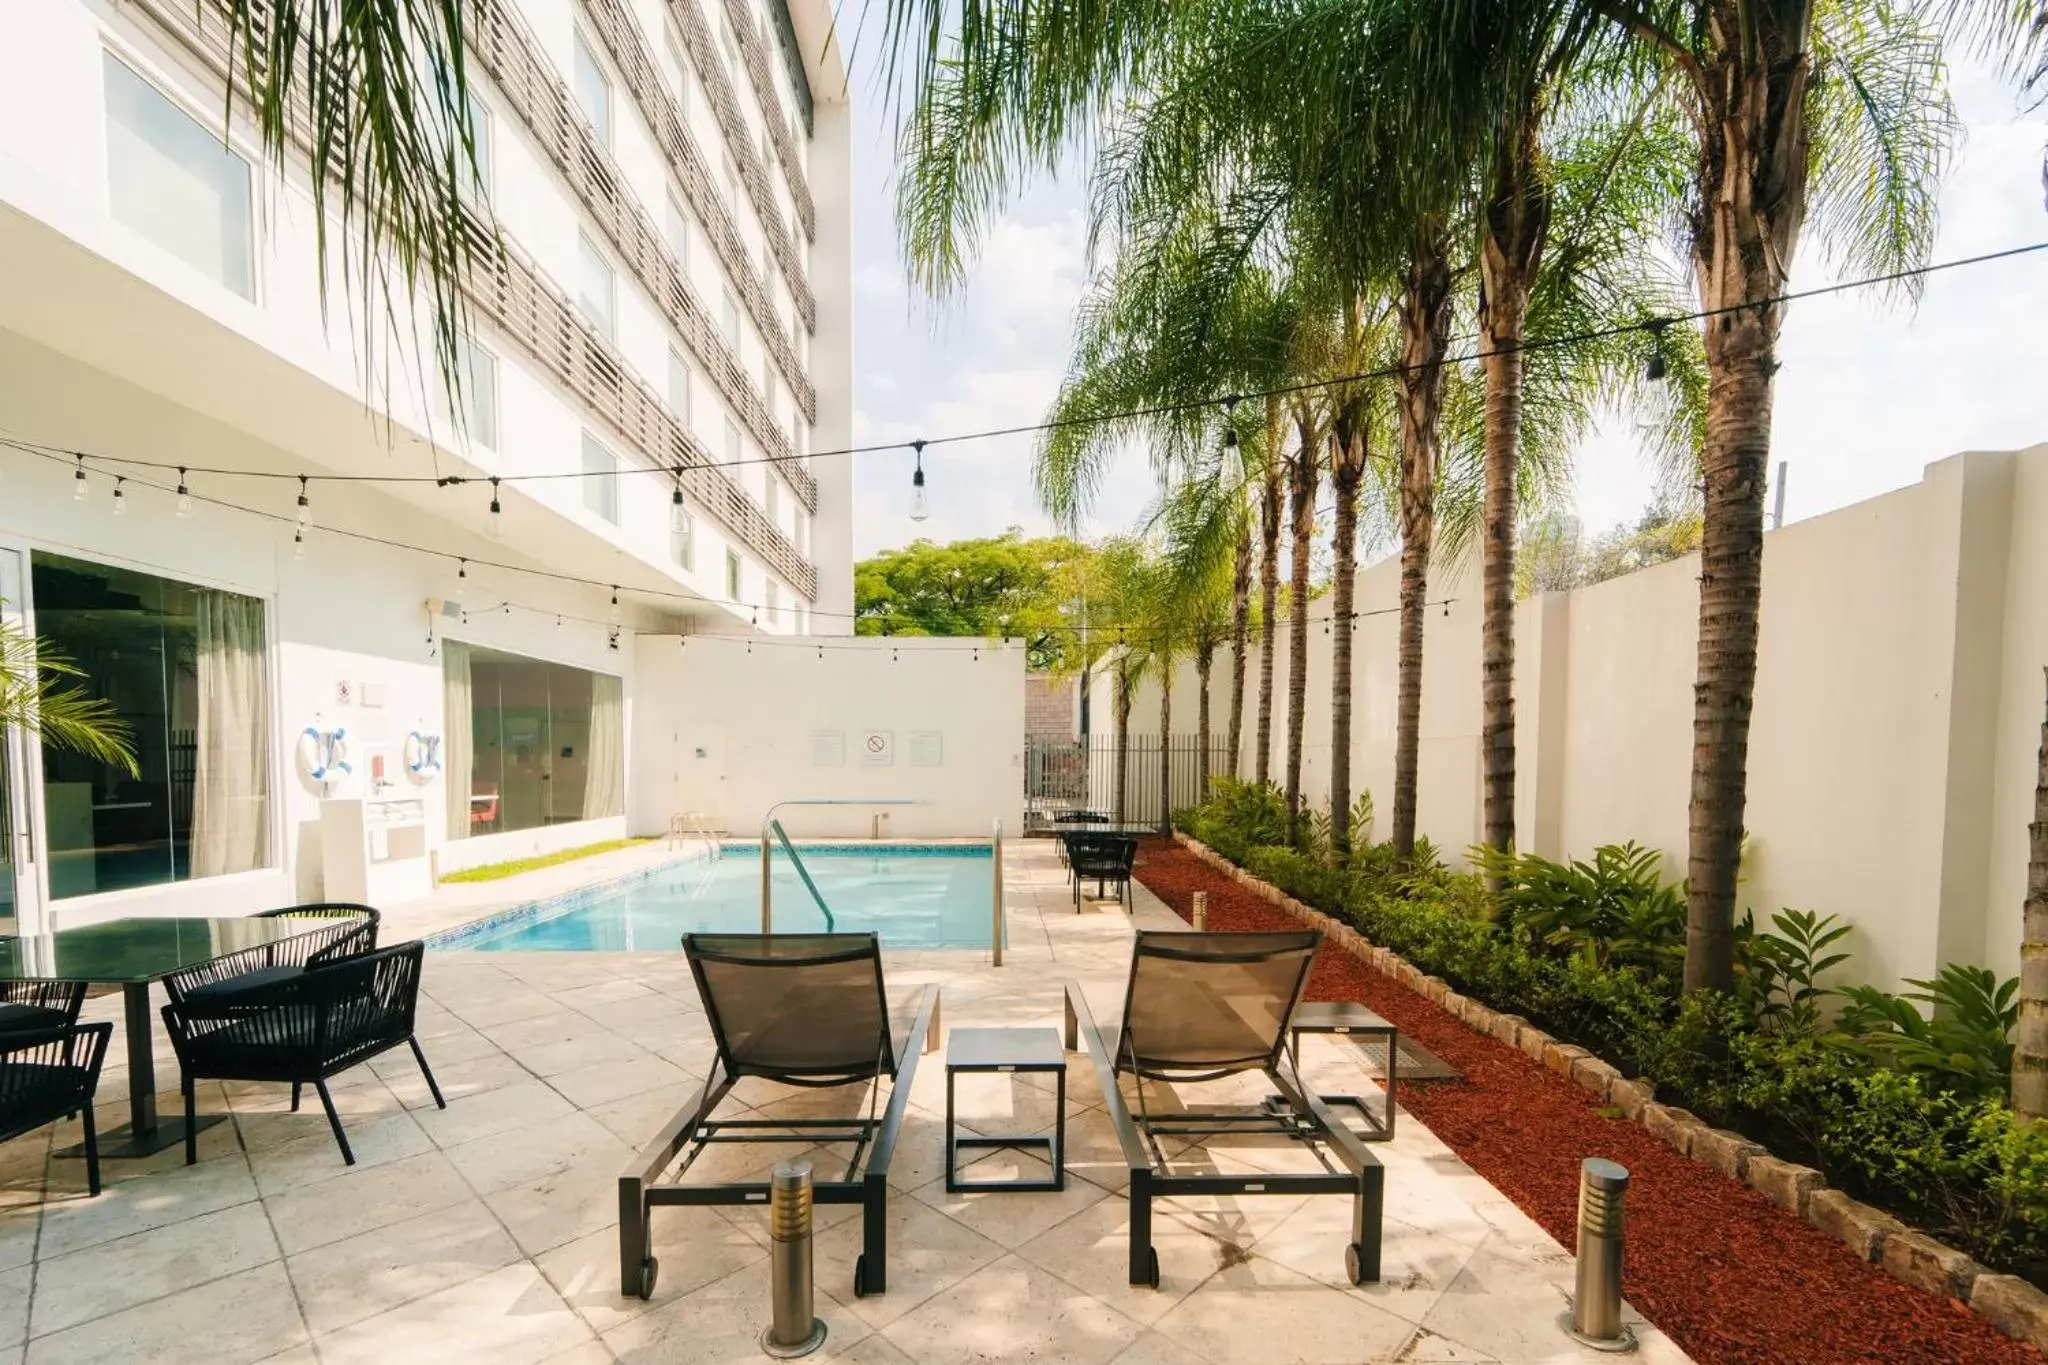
(353, 931)
(39, 1006)
(803, 1010)
(1106, 860)
(1074, 817)
(302, 1028)
(1199, 1007)
(51, 1074)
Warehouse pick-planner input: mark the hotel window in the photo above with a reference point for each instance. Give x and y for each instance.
(732, 575)
(675, 63)
(731, 181)
(601, 488)
(477, 371)
(529, 743)
(770, 499)
(170, 179)
(593, 91)
(732, 43)
(679, 387)
(683, 539)
(477, 184)
(597, 290)
(732, 322)
(187, 670)
(733, 449)
(677, 231)
(774, 603)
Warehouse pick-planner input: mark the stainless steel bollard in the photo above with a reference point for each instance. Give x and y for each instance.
(1594, 1318)
(1200, 912)
(793, 1329)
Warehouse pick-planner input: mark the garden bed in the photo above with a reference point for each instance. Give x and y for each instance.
(1728, 1275)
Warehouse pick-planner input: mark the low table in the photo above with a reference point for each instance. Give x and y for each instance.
(1007, 1051)
(1347, 1017)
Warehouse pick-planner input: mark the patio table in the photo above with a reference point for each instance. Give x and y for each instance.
(131, 954)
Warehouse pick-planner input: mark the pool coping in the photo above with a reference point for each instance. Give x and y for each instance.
(492, 923)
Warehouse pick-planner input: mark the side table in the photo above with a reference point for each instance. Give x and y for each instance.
(1007, 1051)
(1348, 1017)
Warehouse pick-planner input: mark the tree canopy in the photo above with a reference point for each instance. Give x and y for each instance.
(998, 585)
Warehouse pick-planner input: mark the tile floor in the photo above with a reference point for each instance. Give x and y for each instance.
(485, 1232)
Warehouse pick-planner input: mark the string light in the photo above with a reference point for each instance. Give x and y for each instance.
(120, 502)
(78, 484)
(298, 542)
(1656, 369)
(919, 507)
(497, 514)
(184, 495)
(615, 603)
(1229, 424)
(305, 506)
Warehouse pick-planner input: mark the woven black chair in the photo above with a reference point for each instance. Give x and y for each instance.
(303, 1028)
(1074, 817)
(800, 1009)
(1199, 1007)
(39, 1006)
(1105, 859)
(353, 931)
(51, 1075)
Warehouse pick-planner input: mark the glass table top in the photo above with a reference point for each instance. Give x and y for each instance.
(132, 950)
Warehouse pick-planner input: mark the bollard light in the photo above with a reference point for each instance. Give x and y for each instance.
(1594, 1318)
(794, 1329)
(1200, 912)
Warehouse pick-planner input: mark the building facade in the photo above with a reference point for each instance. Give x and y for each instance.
(360, 630)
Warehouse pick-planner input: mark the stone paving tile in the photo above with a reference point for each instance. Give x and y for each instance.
(487, 1231)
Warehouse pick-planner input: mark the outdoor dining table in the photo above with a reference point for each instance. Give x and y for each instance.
(132, 954)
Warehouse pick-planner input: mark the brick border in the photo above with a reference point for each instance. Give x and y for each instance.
(2008, 1302)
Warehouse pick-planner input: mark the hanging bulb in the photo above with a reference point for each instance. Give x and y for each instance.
(615, 604)
(120, 501)
(1656, 369)
(298, 542)
(895, 656)
(462, 580)
(1229, 427)
(919, 507)
(497, 519)
(558, 623)
(614, 641)
(78, 488)
(305, 507)
(676, 515)
(821, 651)
(184, 495)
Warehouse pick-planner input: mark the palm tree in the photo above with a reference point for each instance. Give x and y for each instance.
(2030, 1039)
(1269, 587)
(40, 694)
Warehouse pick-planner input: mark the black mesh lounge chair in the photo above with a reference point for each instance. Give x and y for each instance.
(1106, 860)
(39, 1006)
(1199, 1007)
(801, 1009)
(303, 1028)
(51, 1074)
(353, 930)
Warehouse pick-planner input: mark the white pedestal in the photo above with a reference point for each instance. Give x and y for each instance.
(374, 852)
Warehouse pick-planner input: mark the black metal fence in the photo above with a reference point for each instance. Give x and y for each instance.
(1064, 775)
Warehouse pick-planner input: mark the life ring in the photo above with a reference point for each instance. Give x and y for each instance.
(324, 754)
(422, 756)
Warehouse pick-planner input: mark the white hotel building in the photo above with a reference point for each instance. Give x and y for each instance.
(670, 179)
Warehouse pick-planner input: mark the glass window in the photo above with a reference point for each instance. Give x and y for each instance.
(601, 489)
(546, 742)
(678, 231)
(477, 369)
(597, 292)
(593, 91)
(678, 386)
(734, 450)
(169, 178)
(477, 186)
(187, 670)
(732, 575)
(771, 489)
(774, 602)
(683, 539)
(732, 44)
(732, 322)
(731, 183)
(674, 63)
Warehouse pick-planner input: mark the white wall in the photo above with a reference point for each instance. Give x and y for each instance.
(756, 717)
(1892, 749)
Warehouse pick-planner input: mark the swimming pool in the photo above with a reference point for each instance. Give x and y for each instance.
(913, 895)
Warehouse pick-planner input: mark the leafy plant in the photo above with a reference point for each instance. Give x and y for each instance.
(1963, 1045)
(1612, 911)
(1781, 970)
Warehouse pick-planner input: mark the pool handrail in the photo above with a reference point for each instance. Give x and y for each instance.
(782, 837)
(771, 828)
(996, 892)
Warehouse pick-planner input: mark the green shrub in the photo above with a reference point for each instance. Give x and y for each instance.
(1965, 1047)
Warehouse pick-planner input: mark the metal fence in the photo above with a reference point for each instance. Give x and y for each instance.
(1063, 775)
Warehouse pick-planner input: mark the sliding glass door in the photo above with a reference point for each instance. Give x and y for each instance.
(19, 888)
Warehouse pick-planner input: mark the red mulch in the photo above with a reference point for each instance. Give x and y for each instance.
(1728, 1275)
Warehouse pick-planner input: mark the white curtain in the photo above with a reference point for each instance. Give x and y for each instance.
(231, 785)
(604, 778)
(458, 737)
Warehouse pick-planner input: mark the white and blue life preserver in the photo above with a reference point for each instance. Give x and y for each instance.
(422, 756)
(323, 754)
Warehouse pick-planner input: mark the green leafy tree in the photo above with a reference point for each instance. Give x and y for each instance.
(1007, 585)
(41, 693)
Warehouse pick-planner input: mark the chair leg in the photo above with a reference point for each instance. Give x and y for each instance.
(421, 1058)
(92, 1152)
(295, 1097)
(191, 1122)
(334, 1122)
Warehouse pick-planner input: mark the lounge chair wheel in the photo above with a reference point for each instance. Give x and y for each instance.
(650, 1269)
(860, 1277)
(1152, 1266)
(1354, 1267)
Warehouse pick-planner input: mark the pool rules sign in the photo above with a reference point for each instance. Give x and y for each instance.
(878, 747)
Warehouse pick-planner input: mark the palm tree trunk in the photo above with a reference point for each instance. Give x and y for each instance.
(1205, 662)
(1123, 732)
(1165, 745)
(1347, 466)
(1240, 634)
(1269, 590)
(1511, 251)
(1425, 327)
(1753, 183)
(1302, 504)
(2030, 1039)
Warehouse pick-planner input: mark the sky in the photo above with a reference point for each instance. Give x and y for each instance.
(1870, 392)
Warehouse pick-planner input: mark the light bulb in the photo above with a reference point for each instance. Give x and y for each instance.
(305, 506)
(920, 508)
(184, 496)
(615, 604)
(462, 580)
(299, 542)
(120, 500)
(678, 515)
(78, 488)
(497, 517)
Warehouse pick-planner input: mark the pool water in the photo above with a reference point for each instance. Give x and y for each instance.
(913, 896)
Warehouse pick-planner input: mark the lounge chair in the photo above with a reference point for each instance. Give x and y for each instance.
(50, 1074)
(1105, 859)
(1199, 1007)
(804, 1010)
